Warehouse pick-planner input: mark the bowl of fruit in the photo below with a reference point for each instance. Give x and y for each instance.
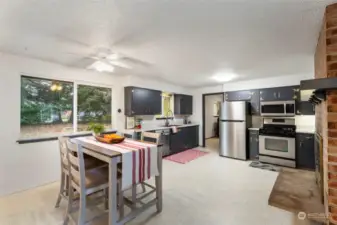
(110, 138)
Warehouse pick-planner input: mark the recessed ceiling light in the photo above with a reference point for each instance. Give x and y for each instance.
(224, 77)
(101, 67)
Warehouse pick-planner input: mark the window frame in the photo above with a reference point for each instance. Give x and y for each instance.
(75, 84)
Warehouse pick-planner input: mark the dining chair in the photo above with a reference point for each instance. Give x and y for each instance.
(85, 183)
(90, 163)
(152, 138)
(155, 139)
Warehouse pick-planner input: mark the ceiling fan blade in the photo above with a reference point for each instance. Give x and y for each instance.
(137, 61)
(120, 64)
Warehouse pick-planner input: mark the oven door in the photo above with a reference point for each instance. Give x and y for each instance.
(277, 146)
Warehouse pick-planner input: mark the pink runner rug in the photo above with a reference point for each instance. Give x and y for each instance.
(186, 156)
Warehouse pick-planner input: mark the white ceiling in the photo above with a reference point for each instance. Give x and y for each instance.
(184, 41)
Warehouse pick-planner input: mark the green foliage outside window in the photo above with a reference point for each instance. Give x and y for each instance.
(41, 105)
(50, 102)
(94, 104)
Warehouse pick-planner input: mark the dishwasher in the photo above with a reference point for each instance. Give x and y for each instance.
(165, 140)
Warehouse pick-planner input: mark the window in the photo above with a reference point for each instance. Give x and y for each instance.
(167, 105)
(93, 105)
(48, 107)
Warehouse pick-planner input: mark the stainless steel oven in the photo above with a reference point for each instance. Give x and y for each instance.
(277, 146)
(277, 141)
(277, 108)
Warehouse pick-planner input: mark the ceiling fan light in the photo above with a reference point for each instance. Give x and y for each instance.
(113, 56)
(101, 67)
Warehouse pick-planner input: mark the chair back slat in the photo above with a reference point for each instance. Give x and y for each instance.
(63, 151)
(76, 165)
(73, 160)
(75, 175)
(151, 137)
(127, 134)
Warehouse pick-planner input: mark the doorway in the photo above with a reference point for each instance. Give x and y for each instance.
(211, 109)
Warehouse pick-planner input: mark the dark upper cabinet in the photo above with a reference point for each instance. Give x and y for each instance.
(253, 96)
(253, 144)
(305, 152)
(279, 93)
(142, 101)
(183, 104)
(304, 108)
(238, 95)
(255, 102)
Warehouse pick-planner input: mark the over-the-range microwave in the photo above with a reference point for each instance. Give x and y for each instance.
(277, 108)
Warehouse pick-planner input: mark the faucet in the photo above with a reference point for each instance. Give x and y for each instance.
(167, 114)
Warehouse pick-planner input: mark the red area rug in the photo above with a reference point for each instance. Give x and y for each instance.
(186, 156)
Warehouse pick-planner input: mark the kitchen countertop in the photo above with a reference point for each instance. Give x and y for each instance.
(253, 128)
(305, 129)
(161, 127)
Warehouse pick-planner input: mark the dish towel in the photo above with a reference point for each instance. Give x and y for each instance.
(174, 129)
(139, 160)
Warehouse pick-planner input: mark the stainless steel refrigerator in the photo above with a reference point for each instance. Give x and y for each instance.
(235, 119)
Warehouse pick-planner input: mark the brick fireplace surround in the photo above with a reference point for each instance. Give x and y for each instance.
(326, 113)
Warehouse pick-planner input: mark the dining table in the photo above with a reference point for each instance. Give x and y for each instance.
(113, 156)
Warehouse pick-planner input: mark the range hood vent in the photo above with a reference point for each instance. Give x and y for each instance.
(314, 90)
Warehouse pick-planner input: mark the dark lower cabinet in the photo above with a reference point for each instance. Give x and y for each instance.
(305, 151)
(186, 138)
(253, 144)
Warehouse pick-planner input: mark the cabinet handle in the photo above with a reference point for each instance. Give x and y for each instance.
(274, 94)
(300, 144)
(251, 139)
(279, 94)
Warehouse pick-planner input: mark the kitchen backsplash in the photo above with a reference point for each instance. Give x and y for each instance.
(151, 121)
(300, 121)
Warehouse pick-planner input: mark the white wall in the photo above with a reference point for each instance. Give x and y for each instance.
(29, 165)
(267, 82)
(242, 85)
(209, 113)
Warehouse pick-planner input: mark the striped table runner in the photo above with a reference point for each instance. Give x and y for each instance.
(139, 160)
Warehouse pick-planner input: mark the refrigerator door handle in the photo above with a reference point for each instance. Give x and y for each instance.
(233, 121)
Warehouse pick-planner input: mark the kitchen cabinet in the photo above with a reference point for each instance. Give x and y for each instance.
(238, 95)
(305, 152)
(142, 101)
(252, 96)
(304, 107)
(255, 102)
(186, 138)
(253, 144)
(279, 93)
(183, 104)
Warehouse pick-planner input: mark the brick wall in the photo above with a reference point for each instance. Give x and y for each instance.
(326, 113)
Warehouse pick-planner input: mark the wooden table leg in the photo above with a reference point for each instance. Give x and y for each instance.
(113, 191)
